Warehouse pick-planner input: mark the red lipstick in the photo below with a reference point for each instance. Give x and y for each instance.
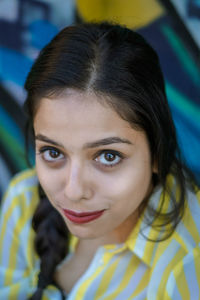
(82, 217)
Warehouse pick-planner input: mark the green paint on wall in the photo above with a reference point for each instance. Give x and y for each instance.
(182, 54)
(14, 150)
(183, 104)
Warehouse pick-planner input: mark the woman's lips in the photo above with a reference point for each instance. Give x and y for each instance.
(82, 217)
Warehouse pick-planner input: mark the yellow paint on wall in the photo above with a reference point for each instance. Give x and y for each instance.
(132, 13)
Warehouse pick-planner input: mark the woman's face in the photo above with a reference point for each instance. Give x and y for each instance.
(93, 166)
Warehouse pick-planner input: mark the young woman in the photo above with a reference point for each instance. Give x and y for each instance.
(109, 212)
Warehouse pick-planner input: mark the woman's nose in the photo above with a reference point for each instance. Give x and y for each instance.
(77, 186)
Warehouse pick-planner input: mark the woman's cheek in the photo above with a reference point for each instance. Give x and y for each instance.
(132, 184)
(114, 186)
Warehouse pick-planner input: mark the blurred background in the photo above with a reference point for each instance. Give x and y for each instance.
(172, 27)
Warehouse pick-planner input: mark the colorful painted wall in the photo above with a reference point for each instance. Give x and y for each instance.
(172, 29)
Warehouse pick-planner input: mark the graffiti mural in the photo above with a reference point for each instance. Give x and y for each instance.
(189, 12)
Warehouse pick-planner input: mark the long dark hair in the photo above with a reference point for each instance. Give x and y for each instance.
(120, 65)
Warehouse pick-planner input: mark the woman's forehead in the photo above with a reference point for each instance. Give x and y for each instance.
(81, 119)
(78, 111)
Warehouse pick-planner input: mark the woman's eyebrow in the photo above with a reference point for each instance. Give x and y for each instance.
(43, 138)
(98, 143)
(107, 141)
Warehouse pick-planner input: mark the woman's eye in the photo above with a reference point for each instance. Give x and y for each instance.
(51, 155)
(109, 158)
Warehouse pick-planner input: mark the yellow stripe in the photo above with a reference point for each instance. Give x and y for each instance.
(31, 255)
(165, 275)
(180, 240)
(191, 227)
(73, 241)
(14, 291)
(141, 286)
(84, 286)
(198, 196)
(131, 269)
(15, 243)
(154, 234)
(182, 281)
(166, 296)
(190, 224)
(7, 216)
(107, 277)
(196, 255)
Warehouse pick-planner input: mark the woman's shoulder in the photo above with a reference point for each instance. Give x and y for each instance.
(22, 190)
(187, 232)
(175, 259)
(22, 182)
(186, 235)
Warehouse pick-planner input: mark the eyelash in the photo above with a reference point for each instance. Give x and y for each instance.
(47, 149)
(114, 153)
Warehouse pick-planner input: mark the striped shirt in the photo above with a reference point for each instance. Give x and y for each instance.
(137, 269)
